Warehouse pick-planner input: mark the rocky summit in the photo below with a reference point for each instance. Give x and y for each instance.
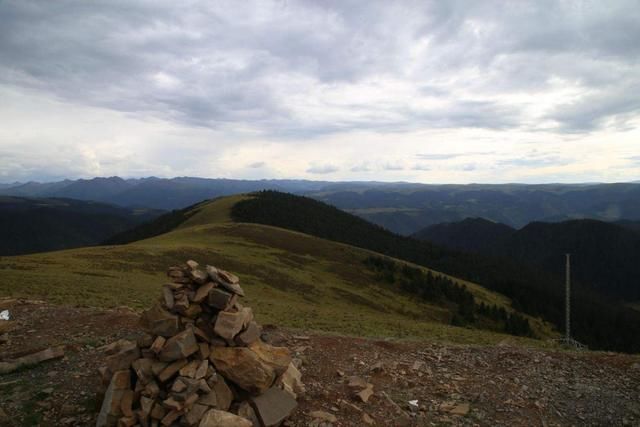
(202, 361)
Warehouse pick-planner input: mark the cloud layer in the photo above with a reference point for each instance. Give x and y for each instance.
(242, 81)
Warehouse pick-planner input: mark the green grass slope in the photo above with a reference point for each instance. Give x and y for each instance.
(291, 279)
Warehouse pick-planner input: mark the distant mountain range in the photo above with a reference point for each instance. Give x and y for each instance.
(403, 208)
(29, 225)
(156, 193)
(605, 256)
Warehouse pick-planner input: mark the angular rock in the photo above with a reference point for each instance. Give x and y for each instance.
(357, 382)
(157, 344)
(158, 321)
(179, 346)
(219, 298)
(229, 324)
(246, 411)
(192, 264)
(278, 358)
(273, 406)
(203, 292)
(146, 405)
(171, 370)
(291, 381)
(250, 335)
(190, 369)
(194, 415)
(31, 359)
(143, 369)
(202, 369)
(204, 350)
(323, 416)
(168, 298)
(126, 404)
(217, 418)
(126, 353)
(223, 279)
(365, 394)
(111, 411)
(224, 396)
(228, 277)
(199, 276)
(244, 367)
(366, 418)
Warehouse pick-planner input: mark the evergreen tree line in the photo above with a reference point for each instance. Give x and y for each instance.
(597, 322)
(441, 289)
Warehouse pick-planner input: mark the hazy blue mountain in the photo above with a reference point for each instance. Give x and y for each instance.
(157, 193)
(29, 225)
(403, 208)
(406, 209)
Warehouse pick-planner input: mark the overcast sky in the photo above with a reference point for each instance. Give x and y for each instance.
(426, 91)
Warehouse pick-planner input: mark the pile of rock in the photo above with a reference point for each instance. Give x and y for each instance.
(202, 362)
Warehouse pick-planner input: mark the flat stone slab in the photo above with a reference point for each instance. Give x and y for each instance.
(273, 406)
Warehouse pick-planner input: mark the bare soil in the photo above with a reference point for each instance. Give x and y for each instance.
(454, 385)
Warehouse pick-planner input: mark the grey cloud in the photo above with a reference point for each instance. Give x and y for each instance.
(322, 169)
(245, 63)
(592, 111)
(257, 165)
(534, 161)
(393, 167)
(421, 167)
(363, 167)
(447, 156)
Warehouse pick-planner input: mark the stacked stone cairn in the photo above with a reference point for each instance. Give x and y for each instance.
(202, 361)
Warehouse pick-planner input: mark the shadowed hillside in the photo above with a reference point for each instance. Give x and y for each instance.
(605, 256)
(532, 290)
(29, 225)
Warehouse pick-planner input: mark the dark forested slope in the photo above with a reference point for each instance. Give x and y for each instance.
(605, 256)
(29, 225)
(598, 322)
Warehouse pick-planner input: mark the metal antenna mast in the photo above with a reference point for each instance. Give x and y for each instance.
(568, 300)
(567, 340)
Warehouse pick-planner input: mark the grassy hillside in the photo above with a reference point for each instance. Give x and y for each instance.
(291, 279)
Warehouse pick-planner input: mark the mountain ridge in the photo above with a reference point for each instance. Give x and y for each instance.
(401, 207)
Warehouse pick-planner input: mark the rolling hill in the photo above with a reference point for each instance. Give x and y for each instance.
(531, 289)
(29, 225)
(291, 278)
(470, 234)
(605, 256)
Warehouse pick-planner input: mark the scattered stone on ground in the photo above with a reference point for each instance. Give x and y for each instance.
(200, 362)
(502, 385)
(31, 359)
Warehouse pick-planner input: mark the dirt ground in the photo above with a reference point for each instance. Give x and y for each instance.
(453, 385)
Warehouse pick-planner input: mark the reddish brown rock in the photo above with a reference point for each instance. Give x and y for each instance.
(244, 367)
(278, 358)
(217, 418)
(229, 324)
(111, 411)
